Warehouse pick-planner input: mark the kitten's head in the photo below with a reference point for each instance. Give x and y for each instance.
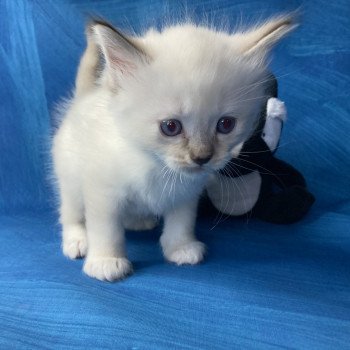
(188, 95)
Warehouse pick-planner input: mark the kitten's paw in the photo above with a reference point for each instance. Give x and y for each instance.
(107, 269)
(75, 248)
(191, 253)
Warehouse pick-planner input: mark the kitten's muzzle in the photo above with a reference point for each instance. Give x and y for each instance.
(201, 160)
(201, 155)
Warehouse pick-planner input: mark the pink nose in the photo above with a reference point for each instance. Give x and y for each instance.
(201, 161)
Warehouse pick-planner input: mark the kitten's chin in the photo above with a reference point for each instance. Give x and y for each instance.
(196, 171)
(193, 170)
(190, 170)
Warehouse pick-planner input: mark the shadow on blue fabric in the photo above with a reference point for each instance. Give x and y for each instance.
(262, 286)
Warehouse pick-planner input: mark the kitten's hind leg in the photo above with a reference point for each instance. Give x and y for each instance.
(178, 240)
(74, 240)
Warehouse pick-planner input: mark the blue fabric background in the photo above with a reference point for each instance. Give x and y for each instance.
(262, 286)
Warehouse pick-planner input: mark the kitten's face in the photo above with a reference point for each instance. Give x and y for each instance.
(193, 106)
(188, 95)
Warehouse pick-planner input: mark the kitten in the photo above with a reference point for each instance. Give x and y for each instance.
(152, 117)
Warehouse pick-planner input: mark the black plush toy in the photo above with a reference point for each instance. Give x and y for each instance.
(257, 183)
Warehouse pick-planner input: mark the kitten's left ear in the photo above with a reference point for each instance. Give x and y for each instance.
(260, 40)
(122, 54)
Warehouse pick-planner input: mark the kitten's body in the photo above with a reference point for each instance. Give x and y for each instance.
(114, 166)
(93, 151)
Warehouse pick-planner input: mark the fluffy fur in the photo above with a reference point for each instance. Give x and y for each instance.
(114, 166)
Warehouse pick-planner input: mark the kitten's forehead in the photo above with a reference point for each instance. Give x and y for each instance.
(187, 39)
(194, 73)
(199, 62)
(206, 89)
(194, 46)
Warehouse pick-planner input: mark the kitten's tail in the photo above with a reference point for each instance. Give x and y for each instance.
(89, 66)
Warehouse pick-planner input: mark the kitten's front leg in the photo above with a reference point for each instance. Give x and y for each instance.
(178, 240)
(106, 257)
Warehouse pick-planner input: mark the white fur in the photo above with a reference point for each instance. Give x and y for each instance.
(114, 167)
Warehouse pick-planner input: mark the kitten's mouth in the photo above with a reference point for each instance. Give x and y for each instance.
(195, 170)
(192, 169)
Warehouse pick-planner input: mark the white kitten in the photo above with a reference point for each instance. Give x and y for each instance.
(151, 118)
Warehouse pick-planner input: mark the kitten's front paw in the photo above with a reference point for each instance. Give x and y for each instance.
(107, 269)
(75, 248)
(190, 253)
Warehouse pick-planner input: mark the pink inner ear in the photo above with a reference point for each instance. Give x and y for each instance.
(123, 66)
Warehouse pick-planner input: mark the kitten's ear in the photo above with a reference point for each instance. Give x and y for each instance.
(261, 39)
(122, 55)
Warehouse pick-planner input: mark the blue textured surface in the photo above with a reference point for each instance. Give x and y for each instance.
(262, 286)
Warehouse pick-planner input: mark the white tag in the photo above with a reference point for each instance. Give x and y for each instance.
(276, 114)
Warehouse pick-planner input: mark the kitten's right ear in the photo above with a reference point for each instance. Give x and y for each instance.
(122, 54)
(260, 40)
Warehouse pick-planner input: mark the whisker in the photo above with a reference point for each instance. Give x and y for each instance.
(242, 180)
(279, 146)
(164, 187)
(227, 200)
(220, 213)
(173, 186)
(223, 212)
(222, 195)
(268, 171)
(247, 89)
(271, 78)
(246, 168)
(165, 172)
(254, 98)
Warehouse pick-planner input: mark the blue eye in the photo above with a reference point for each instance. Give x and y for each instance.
(225, 125)
(171, 127)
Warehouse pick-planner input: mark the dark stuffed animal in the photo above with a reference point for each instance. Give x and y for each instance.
(256, 183)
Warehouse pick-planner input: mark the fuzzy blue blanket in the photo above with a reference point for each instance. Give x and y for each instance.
(262, 285)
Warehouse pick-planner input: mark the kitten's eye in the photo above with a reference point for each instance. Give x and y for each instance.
(225, 125)
(171, 127)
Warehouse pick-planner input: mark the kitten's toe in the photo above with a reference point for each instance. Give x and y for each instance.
(75, 248)
(191, 253)
(107, 269)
